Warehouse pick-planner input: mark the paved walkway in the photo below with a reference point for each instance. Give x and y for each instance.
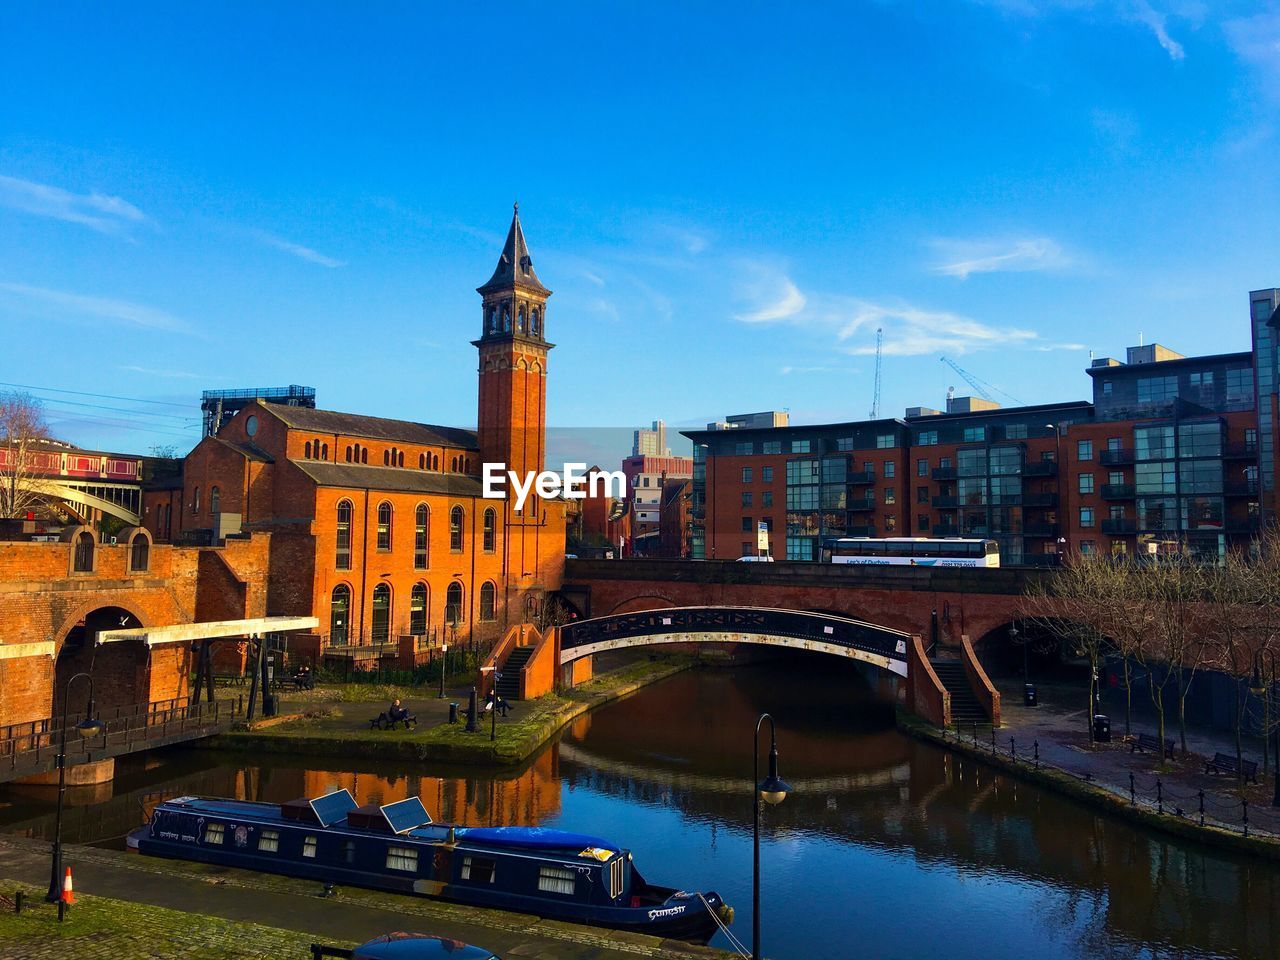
(352, 915)
(1060, 727)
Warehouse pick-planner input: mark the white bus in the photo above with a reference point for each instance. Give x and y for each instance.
(914, 552)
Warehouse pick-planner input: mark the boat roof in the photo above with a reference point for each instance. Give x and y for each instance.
(544, 839)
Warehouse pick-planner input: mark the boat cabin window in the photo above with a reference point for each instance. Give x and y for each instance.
(213, 833)
(349, 851)
(309, 846)
(269, 841)
(478, 869)
(556, 879)
(615, 878)
(402, 858)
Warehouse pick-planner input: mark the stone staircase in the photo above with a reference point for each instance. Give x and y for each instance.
(965, 707)
(509, 684)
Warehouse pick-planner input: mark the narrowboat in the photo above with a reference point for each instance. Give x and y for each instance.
(550, 873)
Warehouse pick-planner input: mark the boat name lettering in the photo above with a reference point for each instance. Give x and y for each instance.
(666, 912)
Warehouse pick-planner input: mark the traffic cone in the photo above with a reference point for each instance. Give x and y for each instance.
(68, 894)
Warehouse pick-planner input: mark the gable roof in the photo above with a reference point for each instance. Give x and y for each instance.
(515, 265)
(391, 479)
(374, 428)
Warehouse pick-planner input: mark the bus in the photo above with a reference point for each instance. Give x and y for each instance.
(913, 551)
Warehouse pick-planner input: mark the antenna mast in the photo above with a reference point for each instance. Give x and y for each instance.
(875, 397)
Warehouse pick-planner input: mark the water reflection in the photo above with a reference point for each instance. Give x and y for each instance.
(885, 848)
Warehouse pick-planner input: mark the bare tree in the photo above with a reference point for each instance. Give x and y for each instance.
(1069, 606)
(1236, 589)
(22, 427)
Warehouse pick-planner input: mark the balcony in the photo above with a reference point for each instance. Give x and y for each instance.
(1239, 451)
(1122, 526)
(864, 531)
(1038, 500)
(1248, 525)
(1240, 488)
(1040, 468)
(1115, 458)
(1118, 491)
(862, 504)
(1039, 529)
(943, 473)
(946, 530)
(862, 476)
(946, 503)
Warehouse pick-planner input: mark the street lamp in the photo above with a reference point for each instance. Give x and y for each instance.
(444, 663)
(493, 696)
(772, 790)
(89, 726)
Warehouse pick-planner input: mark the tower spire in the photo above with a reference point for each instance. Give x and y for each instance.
(515, 265)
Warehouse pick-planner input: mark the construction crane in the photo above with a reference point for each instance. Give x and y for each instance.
(978, 385)
(875, 396)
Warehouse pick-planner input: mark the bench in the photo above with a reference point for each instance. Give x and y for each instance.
(229, 679)
(1226, 763)
(383, 721)
(1147, 741)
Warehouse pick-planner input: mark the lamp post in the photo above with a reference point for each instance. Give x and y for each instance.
(771, 790)
(87, 727)
(1261, 689)
(444, 663)
(493, 697)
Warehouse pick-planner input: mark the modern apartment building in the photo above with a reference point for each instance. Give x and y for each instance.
(1169, 451)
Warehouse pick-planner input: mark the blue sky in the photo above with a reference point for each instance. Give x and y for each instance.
(728, 200)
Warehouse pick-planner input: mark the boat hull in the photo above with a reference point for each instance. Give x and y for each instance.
(689, 917)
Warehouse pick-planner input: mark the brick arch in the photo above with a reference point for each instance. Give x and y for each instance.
(121, 671)
(643, 602)
(100, 601)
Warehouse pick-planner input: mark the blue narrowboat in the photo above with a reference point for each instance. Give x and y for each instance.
(550, 873)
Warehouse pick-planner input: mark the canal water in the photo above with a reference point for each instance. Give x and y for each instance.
(885, 848)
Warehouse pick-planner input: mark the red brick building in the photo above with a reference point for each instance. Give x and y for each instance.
(1167, 455)
(379, 527)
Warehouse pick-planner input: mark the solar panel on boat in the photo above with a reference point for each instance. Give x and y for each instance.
(404, 815)
(332, 807)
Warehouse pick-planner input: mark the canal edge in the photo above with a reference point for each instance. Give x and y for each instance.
(1105, 801)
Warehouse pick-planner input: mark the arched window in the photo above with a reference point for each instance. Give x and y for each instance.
(342, 560)
(82, 560)
(215, 500)
(386, 458)
(364, 454)
(435, 461)
(381, 622)
(490, 531)
(535, 325)
(455, 529)
(422, 461)
(520, 320)
(453, 468)
(453, 603)
(139, 553)
(348, 453)
(400, 459)
(491, 320)
(339, 615)
(384, 526)
(324, 451)
(506, 318)
(488, 601)
(306, 450)
(418, 610)
(195, 503)
(421, 529)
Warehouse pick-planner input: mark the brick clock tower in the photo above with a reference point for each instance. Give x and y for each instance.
(513, 360)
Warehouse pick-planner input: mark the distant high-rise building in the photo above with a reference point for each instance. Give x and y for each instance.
(651, 442)
(752, 421)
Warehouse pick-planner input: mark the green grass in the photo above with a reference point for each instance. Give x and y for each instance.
(99, 927)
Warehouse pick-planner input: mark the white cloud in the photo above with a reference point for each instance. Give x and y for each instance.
(298, 250)
(119, 310)
(772, 295)
(911, 331)
(962, 258)
(1144, 13)
(97, 211)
